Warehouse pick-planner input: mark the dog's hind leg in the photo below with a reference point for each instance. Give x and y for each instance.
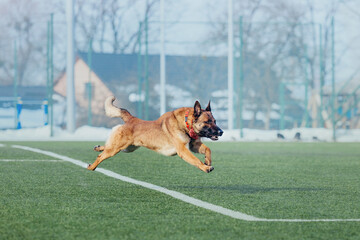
(118, 141)
(101, 157)
(108, 152)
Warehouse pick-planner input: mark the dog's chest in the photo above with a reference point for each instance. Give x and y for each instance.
(168, 150)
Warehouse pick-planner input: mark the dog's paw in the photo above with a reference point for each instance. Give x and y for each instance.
(209, 169)
(207, 163)
(89, 167)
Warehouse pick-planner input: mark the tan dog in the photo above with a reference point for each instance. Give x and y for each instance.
(175, 132)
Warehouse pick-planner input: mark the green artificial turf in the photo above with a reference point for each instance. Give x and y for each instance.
(59, 200)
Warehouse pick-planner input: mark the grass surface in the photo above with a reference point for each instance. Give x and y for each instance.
(59, 200)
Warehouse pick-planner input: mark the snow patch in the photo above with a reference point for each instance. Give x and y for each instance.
(87, 133)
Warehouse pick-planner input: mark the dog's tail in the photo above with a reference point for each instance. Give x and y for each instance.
(112, 111)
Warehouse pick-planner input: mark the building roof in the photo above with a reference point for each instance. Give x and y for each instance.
(188, 72)
(32, 93)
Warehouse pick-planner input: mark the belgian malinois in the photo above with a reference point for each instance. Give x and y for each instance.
(175, 132)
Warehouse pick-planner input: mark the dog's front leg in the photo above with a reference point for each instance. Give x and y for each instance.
(199, 147)
(185, 154)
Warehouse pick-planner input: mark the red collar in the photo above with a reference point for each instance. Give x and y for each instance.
(192, 133)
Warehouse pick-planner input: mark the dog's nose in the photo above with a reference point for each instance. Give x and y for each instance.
(220, 132)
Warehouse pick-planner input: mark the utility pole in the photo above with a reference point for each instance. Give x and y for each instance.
(241, 77)
(89, 84)
(16, 120)
(51, 74)
(146, 68)
(333, 79)
(162, 61)
(70, 88)
(230, 66)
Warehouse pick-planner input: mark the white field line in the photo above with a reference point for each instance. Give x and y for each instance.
(30, 160)
(178, 195)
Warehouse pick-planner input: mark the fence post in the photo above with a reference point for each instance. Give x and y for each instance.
(321, 76)
(333, 79)
(15, 85)
(146, 70)
(51, 102)
(48, 68)
(241, 77)
(46, 112)
(306, 100)
(89, 86)
(282, 105)
(19, 104)
(140, 74)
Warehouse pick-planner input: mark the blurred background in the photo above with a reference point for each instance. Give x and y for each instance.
(294, 63)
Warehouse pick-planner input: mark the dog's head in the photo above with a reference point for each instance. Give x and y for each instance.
(204, 123)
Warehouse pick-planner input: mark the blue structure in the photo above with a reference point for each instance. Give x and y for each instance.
(19, 105)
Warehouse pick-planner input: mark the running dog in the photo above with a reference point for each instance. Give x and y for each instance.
(175, 133)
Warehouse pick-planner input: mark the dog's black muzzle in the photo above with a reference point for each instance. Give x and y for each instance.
(213, 133)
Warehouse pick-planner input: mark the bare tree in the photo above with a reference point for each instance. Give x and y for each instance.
(280, 44)
(107, 22)
(24, 25)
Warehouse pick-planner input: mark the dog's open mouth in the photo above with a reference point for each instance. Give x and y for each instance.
(214, 138)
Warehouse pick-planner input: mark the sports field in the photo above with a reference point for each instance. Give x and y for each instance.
(257, 191)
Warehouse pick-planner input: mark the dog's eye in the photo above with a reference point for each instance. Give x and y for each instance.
(209, 121)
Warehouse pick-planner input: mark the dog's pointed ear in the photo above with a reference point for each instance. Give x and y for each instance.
(197, 109)
(208, 108)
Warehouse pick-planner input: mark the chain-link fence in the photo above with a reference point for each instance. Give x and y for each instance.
(283, 74)
(26, 74)
(276, 66)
